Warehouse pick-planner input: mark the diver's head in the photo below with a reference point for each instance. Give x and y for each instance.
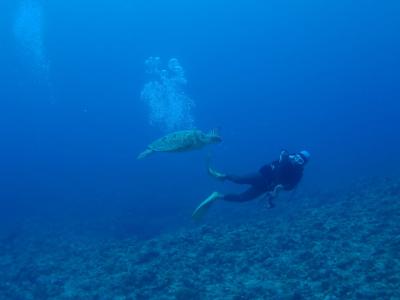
(301, 158)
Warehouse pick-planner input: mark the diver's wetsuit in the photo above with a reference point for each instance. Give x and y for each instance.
(266, 179)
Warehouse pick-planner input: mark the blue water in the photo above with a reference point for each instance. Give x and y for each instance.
(322, 76)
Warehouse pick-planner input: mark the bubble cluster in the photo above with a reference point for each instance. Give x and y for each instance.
(169, 107)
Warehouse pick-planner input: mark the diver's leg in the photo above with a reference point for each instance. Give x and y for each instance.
(250, 194)
(255, 179)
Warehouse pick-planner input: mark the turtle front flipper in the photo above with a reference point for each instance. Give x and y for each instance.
(145, 153)
(213, 137)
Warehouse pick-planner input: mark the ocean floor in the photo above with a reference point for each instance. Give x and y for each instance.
(344, 245)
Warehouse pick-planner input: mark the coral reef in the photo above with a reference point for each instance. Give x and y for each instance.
(344, 247)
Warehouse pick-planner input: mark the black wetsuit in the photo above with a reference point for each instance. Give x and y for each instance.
(266, 179)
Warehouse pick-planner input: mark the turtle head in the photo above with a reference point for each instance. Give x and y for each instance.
(213, 137)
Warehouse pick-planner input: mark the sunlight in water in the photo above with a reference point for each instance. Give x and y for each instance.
(28, 30)
(169, 107)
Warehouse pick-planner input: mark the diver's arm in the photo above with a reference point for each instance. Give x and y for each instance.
(289, 187)
(294, 182)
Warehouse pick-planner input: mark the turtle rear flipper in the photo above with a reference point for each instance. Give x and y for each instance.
(145, 153)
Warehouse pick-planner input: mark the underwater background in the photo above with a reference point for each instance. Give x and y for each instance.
(85, 86)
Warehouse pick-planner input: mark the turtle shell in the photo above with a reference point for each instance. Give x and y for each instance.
(178, 141)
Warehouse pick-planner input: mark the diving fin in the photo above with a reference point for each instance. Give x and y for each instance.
(204, 206)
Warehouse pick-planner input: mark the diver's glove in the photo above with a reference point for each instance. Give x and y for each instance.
(271, 196)
(267, 200)
(274, 194)
(284, 156)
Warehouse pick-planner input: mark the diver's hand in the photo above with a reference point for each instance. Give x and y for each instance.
(284, 156)
(276, 191)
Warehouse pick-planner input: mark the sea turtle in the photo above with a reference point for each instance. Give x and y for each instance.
(180, 141)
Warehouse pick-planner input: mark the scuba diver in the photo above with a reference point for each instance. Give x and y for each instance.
(282, 174)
